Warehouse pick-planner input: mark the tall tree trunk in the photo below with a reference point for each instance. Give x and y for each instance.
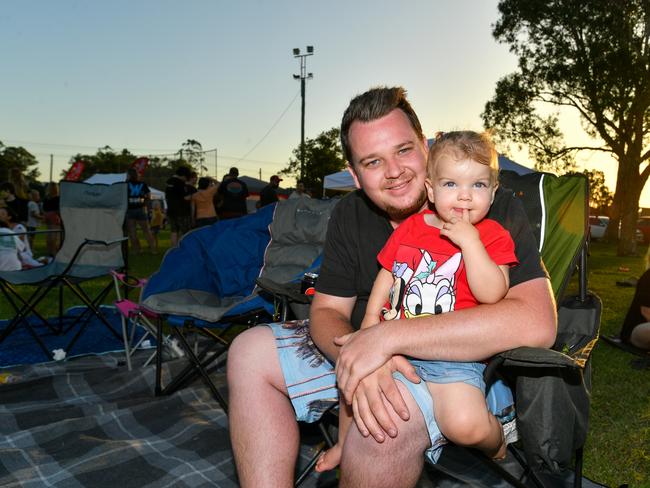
(630, 187)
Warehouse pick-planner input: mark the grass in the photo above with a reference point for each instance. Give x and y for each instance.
(618, 445)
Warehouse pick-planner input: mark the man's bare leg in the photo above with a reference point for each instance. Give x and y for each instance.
(396, 462)
(263, 428)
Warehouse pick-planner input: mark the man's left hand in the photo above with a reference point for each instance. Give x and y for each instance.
(361, 353)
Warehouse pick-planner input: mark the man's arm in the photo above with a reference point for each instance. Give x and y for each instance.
(329, 317)
(377, 298)
(525, 317)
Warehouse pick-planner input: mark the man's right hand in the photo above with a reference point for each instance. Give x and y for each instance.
(373, 395)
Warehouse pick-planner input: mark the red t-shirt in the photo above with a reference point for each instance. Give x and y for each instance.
(428, 269)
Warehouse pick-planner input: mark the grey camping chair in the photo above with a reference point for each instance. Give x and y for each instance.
(93, 219)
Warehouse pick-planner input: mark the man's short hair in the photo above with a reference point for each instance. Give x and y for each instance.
(375, 104)
(204, 183)
(184, 171)
(233, 172)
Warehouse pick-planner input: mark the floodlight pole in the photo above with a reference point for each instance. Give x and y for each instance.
(302, 77)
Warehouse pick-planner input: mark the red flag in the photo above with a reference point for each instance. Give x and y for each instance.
(74, 173)
(140, 165)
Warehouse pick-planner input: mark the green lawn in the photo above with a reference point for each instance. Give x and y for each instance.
(618, 447)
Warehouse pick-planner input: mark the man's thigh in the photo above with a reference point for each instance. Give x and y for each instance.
(309, 376)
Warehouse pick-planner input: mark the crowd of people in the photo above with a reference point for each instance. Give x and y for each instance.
(22, 211)
(191, 202)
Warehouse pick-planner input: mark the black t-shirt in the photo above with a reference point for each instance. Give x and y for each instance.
(641, 299)
(51, 204)
(233, 192)
(268, 195)
(20, 207)
(175, 195)
(358, 230)
(137, 191)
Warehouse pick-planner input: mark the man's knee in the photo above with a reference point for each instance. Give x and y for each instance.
(250, 349)
(253, 360)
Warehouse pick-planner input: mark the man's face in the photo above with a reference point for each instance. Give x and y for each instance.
(389, 164)
(4, 215)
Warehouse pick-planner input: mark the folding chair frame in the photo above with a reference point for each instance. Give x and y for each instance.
(59, 280)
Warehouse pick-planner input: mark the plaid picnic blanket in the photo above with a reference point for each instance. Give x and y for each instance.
(89, 422)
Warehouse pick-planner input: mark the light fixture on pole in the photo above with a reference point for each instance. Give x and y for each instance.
(302, 77)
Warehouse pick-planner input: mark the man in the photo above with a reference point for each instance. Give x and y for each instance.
(136, 213)
(269, 193)
(233, 193)
(299, 192)
(386, 152)
(179, 209)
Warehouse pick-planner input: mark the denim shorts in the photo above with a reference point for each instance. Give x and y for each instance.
(311, 381)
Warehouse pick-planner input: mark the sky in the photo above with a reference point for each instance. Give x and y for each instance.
(148, 75)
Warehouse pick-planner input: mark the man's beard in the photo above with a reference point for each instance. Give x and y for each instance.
(399, 214)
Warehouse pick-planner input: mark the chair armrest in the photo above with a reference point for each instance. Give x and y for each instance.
(289, 291)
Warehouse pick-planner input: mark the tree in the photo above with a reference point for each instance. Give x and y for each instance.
(192, 153)
(106, 160)
(17, 158)
(600, 198)
(323, 156)
(589, 57)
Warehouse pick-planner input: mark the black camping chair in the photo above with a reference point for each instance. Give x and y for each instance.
(558, 379)
(542, 380)
(93, 245)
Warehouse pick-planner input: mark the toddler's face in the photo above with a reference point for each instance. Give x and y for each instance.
(460, 185)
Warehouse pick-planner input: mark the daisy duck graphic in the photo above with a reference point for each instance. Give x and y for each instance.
(423, 285)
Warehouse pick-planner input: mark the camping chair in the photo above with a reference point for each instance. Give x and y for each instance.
(542, 380)
(207, 286)
(135, 318)
(93, 218)
(557, 379)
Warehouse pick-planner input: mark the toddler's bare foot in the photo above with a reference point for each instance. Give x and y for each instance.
(502, 450)
(330, 459)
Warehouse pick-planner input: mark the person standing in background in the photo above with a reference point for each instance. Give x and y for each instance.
(178, 208)
(52, 218)
(202, 201)
(136, 214)
(269, 193)
(299, 192)
(233, 192)
(157, 219)
(34, 215)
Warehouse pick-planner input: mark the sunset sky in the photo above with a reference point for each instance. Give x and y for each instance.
(148, 75)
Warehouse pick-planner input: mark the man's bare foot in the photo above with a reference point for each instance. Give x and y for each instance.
(330, 459)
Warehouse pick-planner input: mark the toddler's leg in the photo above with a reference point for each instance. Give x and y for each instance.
(464, 419)
(331, 458)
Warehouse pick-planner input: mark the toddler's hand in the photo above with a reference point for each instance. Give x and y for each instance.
(460, 231)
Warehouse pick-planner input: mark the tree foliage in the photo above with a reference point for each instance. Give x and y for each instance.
(323, 156)
(17, 158)
(192, 154)
(589, 57)
(600, 198)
